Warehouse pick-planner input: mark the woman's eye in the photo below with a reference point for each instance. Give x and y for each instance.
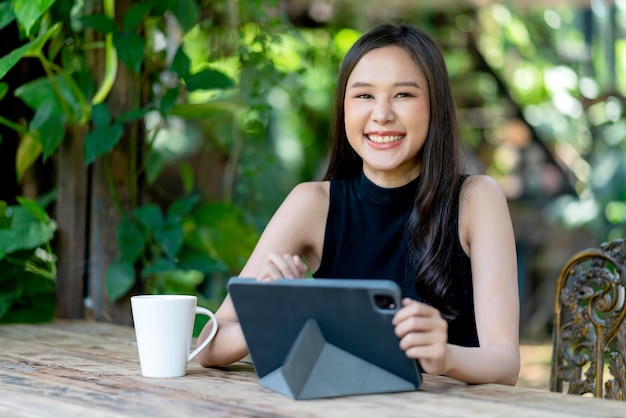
(364, 96)
(402, 95)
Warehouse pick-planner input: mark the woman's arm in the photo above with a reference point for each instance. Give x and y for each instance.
(487, 237)
(296, 228)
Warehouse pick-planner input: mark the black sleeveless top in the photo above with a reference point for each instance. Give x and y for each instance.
(366, 238)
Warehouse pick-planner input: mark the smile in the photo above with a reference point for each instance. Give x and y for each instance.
(384, 139)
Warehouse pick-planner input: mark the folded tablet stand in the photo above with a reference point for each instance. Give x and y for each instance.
(315, 368)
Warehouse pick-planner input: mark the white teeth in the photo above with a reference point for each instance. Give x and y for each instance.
(384, 139)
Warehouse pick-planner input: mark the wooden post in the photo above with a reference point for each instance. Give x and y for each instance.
(71, 216)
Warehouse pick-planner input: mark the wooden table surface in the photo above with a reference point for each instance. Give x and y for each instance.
(91, 369)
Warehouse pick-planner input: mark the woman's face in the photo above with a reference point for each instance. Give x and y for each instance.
(387, 111)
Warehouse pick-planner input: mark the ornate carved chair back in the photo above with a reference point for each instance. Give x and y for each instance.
(589, 335)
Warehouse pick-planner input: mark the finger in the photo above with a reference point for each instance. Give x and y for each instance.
(411, 308)
(282, 265)
(270, 273)
(302, 268)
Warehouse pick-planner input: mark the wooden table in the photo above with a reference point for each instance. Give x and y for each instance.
(90, 369)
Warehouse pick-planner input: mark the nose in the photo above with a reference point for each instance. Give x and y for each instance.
(382, 113)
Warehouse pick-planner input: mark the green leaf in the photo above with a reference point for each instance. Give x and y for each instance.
(120, 278)
(149, 216)
(202, 110)
(207, 80)
(99, 23)
(136, 15)
(170, 238)
(186, 175)
(6, 13)
(154, 165)
(130, 47)
(186, 12)
(50, 126)
(161, 265)
(168, 100)
(4, 87)
(8, 61)
(201, 262)
(6, 218)
(181, 62)
(40, 91)
(27, 232)
(181, 207)
(28, 151)
(101, 115)
(101, 141)
(132, 115)
(220, 230)
(28, 12)
(130, 240)
(33, 207)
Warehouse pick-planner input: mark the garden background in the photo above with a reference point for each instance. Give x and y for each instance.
(145, 144)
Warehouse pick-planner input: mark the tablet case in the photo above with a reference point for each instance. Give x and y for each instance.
(319, 338)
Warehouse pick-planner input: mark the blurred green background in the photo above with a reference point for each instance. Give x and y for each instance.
(144, 145)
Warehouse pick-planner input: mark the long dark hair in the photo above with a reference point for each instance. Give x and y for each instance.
(433, 220)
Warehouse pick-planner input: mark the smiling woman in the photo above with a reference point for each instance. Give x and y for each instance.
(395, 205)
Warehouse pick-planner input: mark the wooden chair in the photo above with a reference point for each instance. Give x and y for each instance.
(589, 336)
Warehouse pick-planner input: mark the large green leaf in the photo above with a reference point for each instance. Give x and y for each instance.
(181, 62)
(6, 13)
(26, 297)
(187, 13)
(130, 48)
(207, 80)
(220, 230)
(40, 91)
(101, 115)
(170, 238)
(8, 61)
(149, 216)
(26, 232)
(102, 140)
(120, 278)
(181, 207)
(50, 126)
(100, 23)
(34, 208)
(136, 15)
(130, 240)
(28, 12)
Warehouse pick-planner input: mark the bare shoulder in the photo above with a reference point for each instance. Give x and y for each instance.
(479, 189)
(309, 196)
(482, 206)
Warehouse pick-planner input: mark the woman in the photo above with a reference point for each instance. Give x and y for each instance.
(395, 205)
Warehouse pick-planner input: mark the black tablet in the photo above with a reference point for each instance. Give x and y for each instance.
(314, 338)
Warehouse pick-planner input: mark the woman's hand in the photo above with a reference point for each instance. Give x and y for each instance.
(423, 335)
(282, 266)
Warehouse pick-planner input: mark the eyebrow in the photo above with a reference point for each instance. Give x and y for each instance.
(359, 84)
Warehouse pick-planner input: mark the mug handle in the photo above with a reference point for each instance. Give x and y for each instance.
(203, 311)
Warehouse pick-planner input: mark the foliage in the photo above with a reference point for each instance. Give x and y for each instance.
(27, 264)
(162, 247)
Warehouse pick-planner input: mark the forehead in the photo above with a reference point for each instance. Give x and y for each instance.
(389, 63)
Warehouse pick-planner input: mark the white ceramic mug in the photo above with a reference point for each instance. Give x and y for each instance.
(164, 328)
